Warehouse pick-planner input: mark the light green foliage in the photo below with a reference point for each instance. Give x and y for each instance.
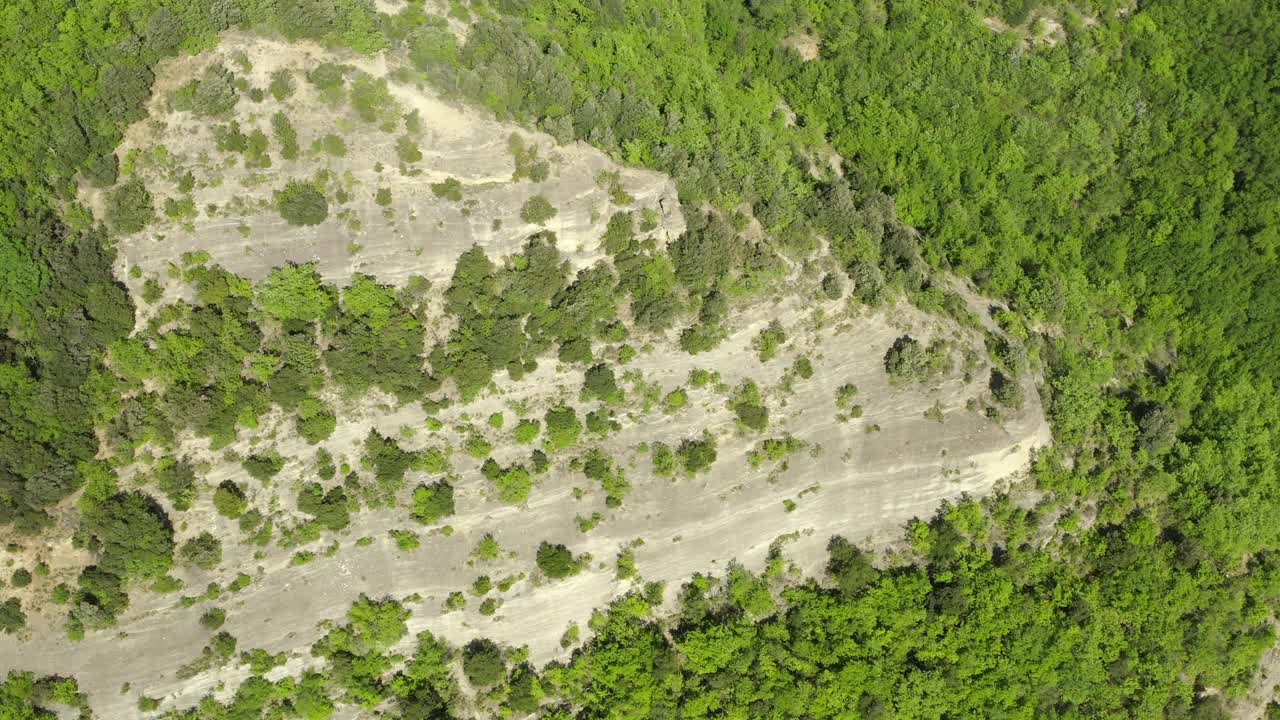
(378, 624)
(455, 601)
(316, 422)
(528, 164)
(333, 145)
(626, 564)
(371, 98)
(482, 585)
(302, 203)
(383, 197)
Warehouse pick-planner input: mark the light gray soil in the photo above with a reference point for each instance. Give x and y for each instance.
(848, 481)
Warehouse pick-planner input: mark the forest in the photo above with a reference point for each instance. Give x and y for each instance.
(1106, 172)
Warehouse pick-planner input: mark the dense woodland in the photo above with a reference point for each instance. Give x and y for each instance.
(1110, 177)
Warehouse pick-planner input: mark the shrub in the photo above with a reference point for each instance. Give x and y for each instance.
(749, 407)
(1008, 391)
(405, 539)
(286, 135)
(203, 551)
(450, 188)
(514, 482)
(563, 427)
(556, 561)
(664, 461)
(12, 619)
(675, 400)
(130, 208)
(229, 500)
(20, 578)
(330, 509)
(487, 548)
(802, 367)
(213, 93)
(263, 467)
(315, 421)
(767, 342)
(697, 455)
(432, 502)
(907, 360)
(601, 384)
(302, 203)
(213, 618)
(482, 663)
(282, 85)
(371, 98)
(537, 210)
(407, 150)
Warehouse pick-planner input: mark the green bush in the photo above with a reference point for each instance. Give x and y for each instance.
(12, 619)
(229, 499)
(302, 203)
(483, 664)
(282, 85)
(537, 210)
(563, 427)
(432, 502)
(130, 208)
(697, 455)
(767, 342)
(213, 618)
(450, 188)
(556, 561)
(203, 551)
